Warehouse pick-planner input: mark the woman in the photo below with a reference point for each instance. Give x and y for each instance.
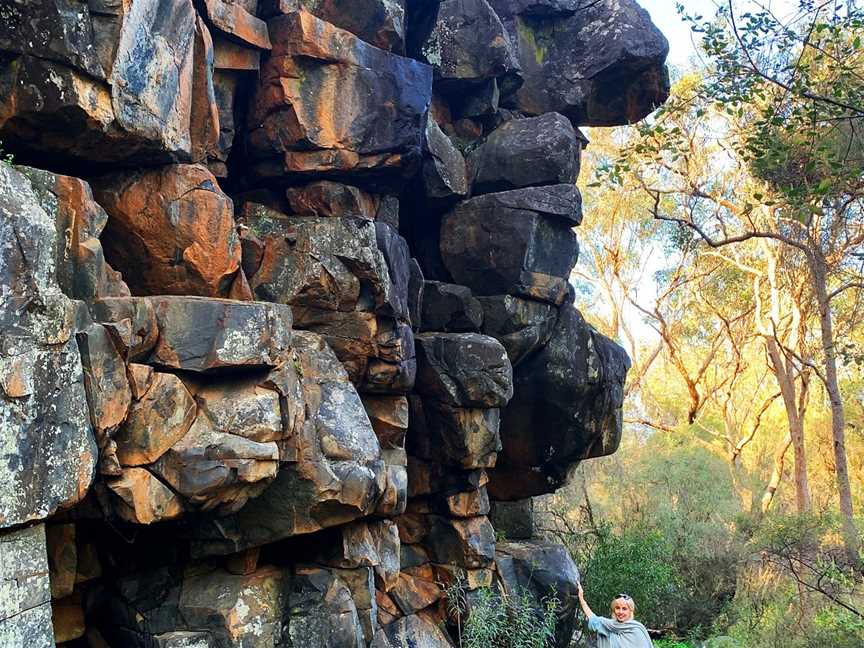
(621, 632)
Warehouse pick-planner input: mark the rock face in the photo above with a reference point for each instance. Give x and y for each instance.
(47, 443)
(287, 339)
(599, 63)
(301, 125)
(171, 231)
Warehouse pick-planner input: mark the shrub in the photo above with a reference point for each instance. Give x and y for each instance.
(486, 618)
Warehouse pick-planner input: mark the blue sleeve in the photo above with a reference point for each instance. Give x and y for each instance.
(595, 624)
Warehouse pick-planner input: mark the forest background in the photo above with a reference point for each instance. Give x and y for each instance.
(723, 247)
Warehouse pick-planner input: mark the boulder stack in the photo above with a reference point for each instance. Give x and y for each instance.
(287, 339)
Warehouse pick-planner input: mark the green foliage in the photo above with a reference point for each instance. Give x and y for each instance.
(487, 618)
(5, 157)
(637, 561)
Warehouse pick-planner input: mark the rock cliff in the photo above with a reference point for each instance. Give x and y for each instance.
(285, 320)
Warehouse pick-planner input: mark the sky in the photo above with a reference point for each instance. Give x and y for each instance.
(665, 16)
(681, 47)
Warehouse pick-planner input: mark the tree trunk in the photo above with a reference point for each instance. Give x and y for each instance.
(838, 420)
(786, 382)
(776, 473)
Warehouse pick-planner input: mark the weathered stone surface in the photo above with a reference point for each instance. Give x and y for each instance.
(469, 44)
(222, 609)
(397, 256)
(414, 631)
(52, 32)
(336, 473)
(389, 418)
(455, 436)
(324, 263)
(395, 369)
(103, 82)
(566, 407)
(216, 470)
(374, 121)
(206, 335)
(394, 498)
(540, 569)
(463, 369)
(527, 152)
(472, 579)
(333, 199)
(450, 307)
(322, 612)
(82, 271)
(233, 19)
(427, 477)
(47, 448)
(107, 389)
(62, 558)
(171, 231)
(352, 335)
(159, 417)
(415, 294)
(132, 323)
(142, 498)
(515, 520)
(379, 22)
(463, 505)
(445, 175)
(204, 128)
(25, 593)
(600, 63)
(154, 101)
(244, 408)
(495, 250)
(520, 325)
(416, 589)
(468, 542)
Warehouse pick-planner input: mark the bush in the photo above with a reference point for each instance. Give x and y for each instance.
(639, 562)
(487, 619)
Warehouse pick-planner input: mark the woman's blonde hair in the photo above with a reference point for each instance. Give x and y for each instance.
(628, 601)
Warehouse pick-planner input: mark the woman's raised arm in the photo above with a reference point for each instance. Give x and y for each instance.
(583, 603)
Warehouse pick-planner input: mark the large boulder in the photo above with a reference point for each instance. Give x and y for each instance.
(48, 452)
(332, 471)
(379, 22)
(599, 63)
(566, 407)
(520, 325)
(542, 569)
(463, 369)
(212, 335)
(329, 104)
(468, 45)
(495, 249)
(542, 150)
(171, 231)
(319, 262)
(105, 82)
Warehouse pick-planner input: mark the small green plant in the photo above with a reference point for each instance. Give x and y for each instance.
(6, 157)
(487, 618)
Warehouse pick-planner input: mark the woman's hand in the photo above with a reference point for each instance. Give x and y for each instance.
(582, 603)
